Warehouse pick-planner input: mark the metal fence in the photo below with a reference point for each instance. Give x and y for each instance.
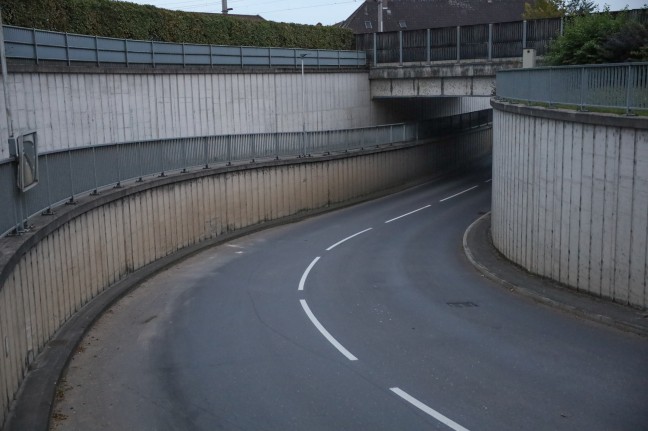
(474, 42)
(46, 46)
(623, 86)
(65, 175)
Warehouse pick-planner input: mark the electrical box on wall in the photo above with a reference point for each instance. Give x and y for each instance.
(24, 148)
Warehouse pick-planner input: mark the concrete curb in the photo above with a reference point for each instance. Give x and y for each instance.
(538, 296)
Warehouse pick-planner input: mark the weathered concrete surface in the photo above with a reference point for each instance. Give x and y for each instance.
(72, 109)
(48, 275)
(460, 79)
(570, 198)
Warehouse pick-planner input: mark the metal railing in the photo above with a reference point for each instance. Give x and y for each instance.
(66, 175)
(473, 42)
(618, 86)
(48, 46)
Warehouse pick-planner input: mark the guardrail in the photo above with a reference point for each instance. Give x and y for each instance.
(618, 86)
(48, 46)
(66, 175)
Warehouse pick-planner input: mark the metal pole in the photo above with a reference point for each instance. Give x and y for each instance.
(303, 104)
(490, 42)
(380, 16)
(458, 43)
(375, 49)
(429, 46)
(5, 89)
(628, 89)
(524, 34)
(400, 47)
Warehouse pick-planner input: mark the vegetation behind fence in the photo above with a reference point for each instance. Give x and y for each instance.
(125, 20)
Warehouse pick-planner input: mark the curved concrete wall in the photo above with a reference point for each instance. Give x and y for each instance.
(570, 198)
(72, 108)
(48, 275)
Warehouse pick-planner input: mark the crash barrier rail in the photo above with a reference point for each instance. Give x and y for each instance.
(65, 175)
(471, 42)
(612, 86)
(49, 46)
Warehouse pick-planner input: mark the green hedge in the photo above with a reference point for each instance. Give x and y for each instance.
(118, 19)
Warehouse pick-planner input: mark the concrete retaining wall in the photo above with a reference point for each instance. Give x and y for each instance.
(570, 198)
(49, 274)
(74, 109)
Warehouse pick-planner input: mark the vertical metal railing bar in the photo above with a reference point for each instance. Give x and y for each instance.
(629, 83)
(490, 42)
(458, 43)
(48, 211)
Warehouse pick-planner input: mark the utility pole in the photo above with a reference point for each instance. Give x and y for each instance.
(225, 8)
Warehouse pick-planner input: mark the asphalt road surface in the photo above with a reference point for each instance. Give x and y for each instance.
(368, 318)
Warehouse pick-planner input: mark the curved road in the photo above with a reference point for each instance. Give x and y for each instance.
(369, 318)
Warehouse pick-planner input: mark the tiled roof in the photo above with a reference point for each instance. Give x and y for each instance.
(419, 14)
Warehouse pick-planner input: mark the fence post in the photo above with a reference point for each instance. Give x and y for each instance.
(524, 34)
(429, 46)
(628, 90)
(184, 61)
(400, 47)
(582, 89)
(67, 49)
(97, 50)
(35, 45)
(458, 43)
(153, 54)
(490, 42)
(126, 50)
(562, 25)
(48, 211)
(375, 49)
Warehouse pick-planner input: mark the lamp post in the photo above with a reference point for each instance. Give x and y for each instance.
(225, 9)
(303, 105)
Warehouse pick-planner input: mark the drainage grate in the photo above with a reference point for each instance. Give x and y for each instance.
(466, 304)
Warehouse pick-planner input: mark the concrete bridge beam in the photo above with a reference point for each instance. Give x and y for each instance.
(437, 80)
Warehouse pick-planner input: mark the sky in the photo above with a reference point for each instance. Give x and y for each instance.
(327, 12)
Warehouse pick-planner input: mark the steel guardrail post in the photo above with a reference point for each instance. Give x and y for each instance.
(375, 49)
(35, 45)
(524, 34)
(458, 43)
(67, 49)
(628, 89)
(428, 49)
(490, 42)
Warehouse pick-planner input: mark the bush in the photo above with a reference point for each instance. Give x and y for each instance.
(600, 38)
(110, 18)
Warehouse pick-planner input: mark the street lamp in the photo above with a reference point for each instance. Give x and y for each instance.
(303, 105)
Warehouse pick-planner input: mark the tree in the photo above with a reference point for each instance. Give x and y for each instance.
(579, 7)
(600, 38)
(556, 8)
(540, 9)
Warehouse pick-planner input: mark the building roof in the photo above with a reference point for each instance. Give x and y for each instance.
(420, 14)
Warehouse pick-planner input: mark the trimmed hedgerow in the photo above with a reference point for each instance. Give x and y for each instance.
(119, 19)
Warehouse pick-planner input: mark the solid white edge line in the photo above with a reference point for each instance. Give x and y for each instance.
(430, 411)
(460, 193)
(347, 238)
(409, 213)
(304, 276)
(325, 333)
